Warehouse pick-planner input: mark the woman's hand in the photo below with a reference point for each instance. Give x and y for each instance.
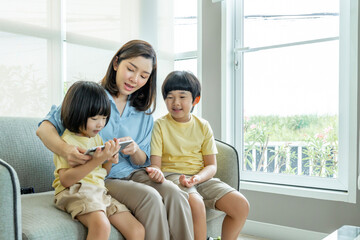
(189, 182)
(155, 174)
(75, 155)
(130, 149)
(50, 137)
(138, 156)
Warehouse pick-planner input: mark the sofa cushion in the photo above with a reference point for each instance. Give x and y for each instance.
(213, 214)
(42, 220)
(23, 150)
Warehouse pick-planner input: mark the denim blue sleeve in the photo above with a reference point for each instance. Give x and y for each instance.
(145, 143)
(54, 116)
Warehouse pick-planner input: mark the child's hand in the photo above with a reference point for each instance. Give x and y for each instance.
(111, 148)
(189, 182)
(114, 159)
(155, 174)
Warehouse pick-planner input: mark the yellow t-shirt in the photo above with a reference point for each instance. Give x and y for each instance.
(96, 176)
(182, 146)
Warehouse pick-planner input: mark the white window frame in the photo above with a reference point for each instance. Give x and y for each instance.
(348, 110)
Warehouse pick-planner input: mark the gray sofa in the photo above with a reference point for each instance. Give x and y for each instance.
(26, 163)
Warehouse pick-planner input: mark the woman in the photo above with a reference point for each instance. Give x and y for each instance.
(130, 83)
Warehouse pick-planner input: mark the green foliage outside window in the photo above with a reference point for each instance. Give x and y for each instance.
(317, 136)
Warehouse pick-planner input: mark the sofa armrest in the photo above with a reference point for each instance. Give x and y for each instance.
(10, 203)
(227, 164)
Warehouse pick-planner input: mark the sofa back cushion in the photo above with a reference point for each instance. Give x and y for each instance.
(23, 150)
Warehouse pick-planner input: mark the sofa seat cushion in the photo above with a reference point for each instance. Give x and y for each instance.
(212, 214)
(42, 220)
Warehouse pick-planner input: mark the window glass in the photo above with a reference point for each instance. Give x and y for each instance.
(185, 28)
(291, 112)
(283, 88)
(23, 76)
(86, 63)
(278, 21)
(24, 11)
(187, 65)
(290, 94)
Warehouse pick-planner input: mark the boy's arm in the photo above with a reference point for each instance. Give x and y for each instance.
(155, 161)
(205, 174)
(154, 170)
(210, 168)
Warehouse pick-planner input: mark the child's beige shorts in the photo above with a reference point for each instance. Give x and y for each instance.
(210, 190)
(82, 198)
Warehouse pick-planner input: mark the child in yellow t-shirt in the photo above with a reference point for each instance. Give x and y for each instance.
(183, 150)
(80, 190)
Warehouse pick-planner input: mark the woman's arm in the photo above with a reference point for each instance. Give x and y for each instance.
(51, 139)
(138, 156)
(141, 155)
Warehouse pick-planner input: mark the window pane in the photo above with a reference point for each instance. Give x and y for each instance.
(23, 76)
(277, 21)
(30, 12)
(185, 8)
(86, 63)
(187, 65)
(185, 29)
(291, 110)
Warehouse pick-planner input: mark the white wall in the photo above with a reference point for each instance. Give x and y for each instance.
(211, 64)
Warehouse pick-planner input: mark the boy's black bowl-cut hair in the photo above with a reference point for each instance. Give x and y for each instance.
(181, 80)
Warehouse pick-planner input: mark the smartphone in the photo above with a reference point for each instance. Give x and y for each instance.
(122, 146)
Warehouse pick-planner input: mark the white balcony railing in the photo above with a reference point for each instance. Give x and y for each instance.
(285, 157)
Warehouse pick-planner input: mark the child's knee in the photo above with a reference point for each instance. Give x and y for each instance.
(244, 204)
(196, 203)
(242, 207)
(100, 227)
(234, 204)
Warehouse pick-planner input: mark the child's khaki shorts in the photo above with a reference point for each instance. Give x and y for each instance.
(211, 190)
(82, 198)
